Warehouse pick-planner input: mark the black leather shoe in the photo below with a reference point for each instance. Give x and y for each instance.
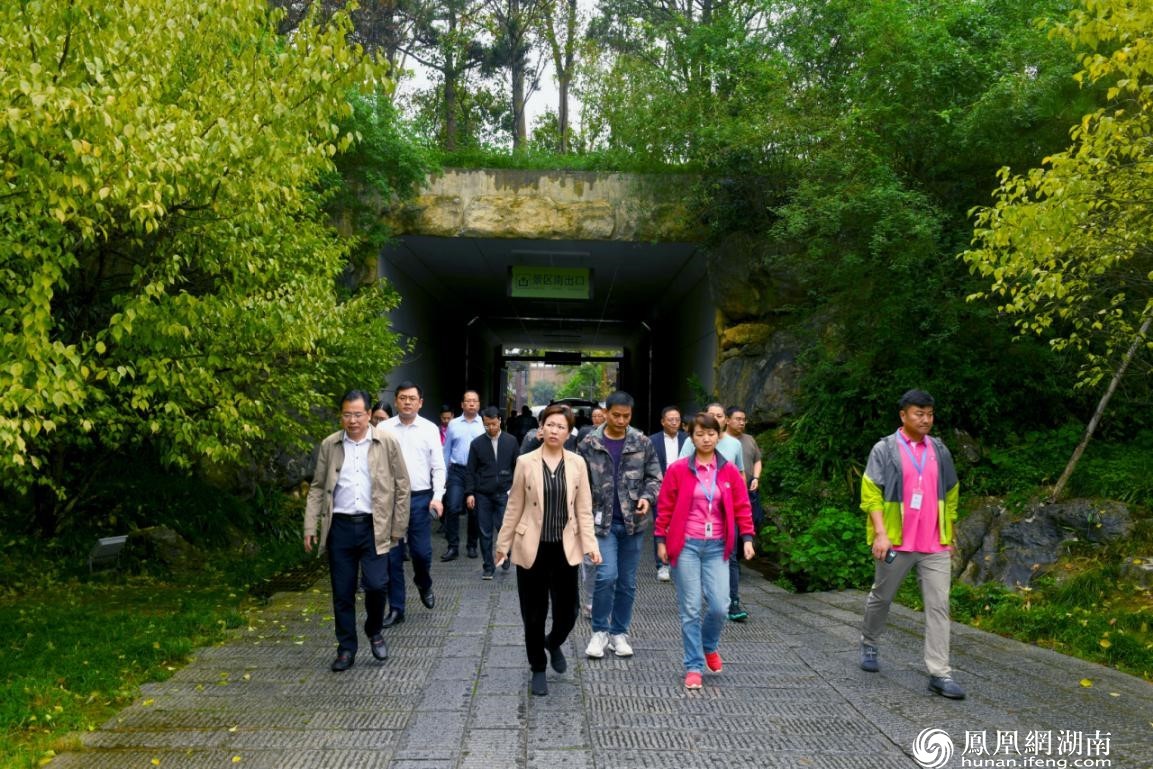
(427, 598)
(393, 618)
(472, 551)
(539, 684)
(450, 555)
(342, 662)
(379, 648)
(946, 687)
(557, 659)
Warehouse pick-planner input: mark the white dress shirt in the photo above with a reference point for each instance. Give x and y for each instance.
(353, 492)
(672, 447)
(423, 455)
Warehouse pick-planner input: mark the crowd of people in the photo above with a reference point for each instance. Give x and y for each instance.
(571, 509)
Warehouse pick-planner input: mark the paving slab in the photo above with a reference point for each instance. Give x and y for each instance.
(454, 695)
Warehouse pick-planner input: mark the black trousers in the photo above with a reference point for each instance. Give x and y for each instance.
(351, 548)
(454, 508)
(550, 578)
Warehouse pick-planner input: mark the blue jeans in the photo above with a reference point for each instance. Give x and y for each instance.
(739, 549)
(616, 587)
(489, 518)
(418, 542)
(735, 572)
(701, 571)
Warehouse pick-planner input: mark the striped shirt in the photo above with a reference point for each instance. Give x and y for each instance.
(555, 503)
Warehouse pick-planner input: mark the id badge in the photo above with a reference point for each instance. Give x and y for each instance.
(709, 530)
(915, 503)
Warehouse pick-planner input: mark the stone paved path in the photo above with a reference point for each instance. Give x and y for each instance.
(454, 693)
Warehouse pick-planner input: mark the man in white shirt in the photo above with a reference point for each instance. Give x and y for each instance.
(419, 440)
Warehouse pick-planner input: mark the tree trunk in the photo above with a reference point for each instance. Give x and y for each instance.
(1059, 489)
(562, 113)
(519, 132)
(450, 111)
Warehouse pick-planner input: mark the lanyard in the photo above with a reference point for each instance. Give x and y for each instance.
(919, 467)
(709, 493)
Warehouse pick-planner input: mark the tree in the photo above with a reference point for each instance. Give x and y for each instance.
(542, 392)
(171, 282)
(589, 381)
(445, 40)
(1067, 245)
(512, 23)
(380, 26)
(561, 28)
(675, 79)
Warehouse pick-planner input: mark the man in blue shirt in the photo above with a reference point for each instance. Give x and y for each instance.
(457, 438)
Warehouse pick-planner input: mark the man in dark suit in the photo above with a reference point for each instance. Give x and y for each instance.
(488, 477)
(671, 437)
(667, 443)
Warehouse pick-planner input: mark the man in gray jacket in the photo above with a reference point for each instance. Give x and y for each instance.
(359, 498)
(625, 477)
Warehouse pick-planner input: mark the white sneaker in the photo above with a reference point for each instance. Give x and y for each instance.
(620, 645)
(597, 644)
(663, 574)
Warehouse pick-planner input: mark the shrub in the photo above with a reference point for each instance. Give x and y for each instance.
(821, 549)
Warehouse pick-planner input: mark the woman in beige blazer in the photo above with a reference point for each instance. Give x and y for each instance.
(547, 531)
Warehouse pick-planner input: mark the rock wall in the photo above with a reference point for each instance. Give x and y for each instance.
(757, 356)
(994, 545)
(550, 205)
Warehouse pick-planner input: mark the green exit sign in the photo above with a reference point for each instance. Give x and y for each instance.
(550, 282)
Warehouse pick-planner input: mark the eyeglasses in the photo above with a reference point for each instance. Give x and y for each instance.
(353, 415)
(407, 398)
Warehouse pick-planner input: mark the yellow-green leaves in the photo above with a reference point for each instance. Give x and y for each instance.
(1066, 246)
(166, 267)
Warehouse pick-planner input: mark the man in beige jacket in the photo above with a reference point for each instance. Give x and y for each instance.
(359, 497)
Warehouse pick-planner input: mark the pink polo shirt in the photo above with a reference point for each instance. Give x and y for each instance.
(702, 511)
(920, 530)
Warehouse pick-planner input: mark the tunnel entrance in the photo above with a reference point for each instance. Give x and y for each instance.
(476, 310)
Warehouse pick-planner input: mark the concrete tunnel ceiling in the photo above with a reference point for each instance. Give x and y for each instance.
(631, 283)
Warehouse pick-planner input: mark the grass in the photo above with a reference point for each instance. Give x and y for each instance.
(1085, 608)
(74, 652)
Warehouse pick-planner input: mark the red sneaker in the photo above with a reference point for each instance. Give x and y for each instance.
(713, 662)
(692, 680)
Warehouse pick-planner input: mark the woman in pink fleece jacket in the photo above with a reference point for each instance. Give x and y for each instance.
(702, 511)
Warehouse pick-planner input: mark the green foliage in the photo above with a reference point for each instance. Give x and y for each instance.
(700, 394)
(589, 381)
(542, 392)
(534, 158)
(820, 549)
(1118, 470)
(169, 273)
(1065, 247)
(1094, 615)
(1026, 461)
(387, 163)
(74, 651)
